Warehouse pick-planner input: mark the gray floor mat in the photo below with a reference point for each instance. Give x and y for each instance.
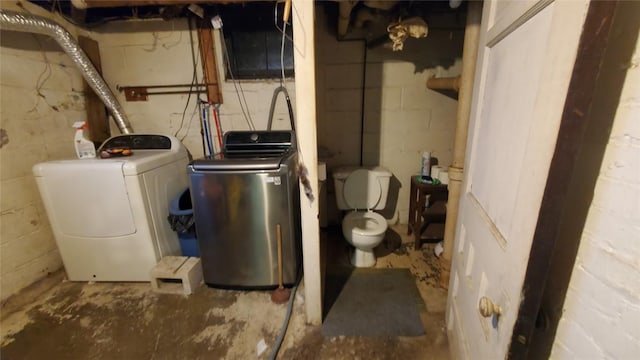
(371, 302)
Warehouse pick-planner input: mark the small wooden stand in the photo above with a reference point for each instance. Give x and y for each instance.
(421, 216)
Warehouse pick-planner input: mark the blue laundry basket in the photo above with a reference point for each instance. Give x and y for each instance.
(182, 222)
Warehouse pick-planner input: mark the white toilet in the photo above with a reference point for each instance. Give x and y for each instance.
(362, 189)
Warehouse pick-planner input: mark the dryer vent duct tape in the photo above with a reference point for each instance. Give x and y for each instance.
(21, 22)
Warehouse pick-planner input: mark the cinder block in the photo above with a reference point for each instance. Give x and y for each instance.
(14, 281)
(15, 193)
(577, 340)
(613, 231)
(416, 98)
(344, 100)
(26, 248)
(610, 267)
(630, 318)
(343, 76)
(618, 198)
(560, 351)
(391, 98)
(626, 128)
(622, 162)
(402, 74)
(177, 275)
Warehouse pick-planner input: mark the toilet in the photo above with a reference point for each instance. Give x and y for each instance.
(362, 190)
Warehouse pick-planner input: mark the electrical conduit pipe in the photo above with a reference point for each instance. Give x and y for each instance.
(456, 170)
(27, 23)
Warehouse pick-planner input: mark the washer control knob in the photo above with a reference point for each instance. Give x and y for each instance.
(254, 137)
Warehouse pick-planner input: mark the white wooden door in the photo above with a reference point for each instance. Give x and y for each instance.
(525, 59)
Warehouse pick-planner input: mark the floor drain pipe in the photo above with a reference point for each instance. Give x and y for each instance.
(22, 22)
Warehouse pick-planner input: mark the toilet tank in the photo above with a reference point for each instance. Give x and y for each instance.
(376, 173)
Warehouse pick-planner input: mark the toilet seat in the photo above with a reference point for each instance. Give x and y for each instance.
(377, 224)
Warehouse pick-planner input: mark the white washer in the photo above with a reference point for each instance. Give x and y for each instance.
(109, 216)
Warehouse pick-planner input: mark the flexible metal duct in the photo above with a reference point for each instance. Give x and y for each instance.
(21, 22)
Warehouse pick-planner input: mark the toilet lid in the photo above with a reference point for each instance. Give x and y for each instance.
(358, 189)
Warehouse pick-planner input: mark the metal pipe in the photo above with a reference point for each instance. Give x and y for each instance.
(175, 92)
(21, 22)
(124, 88)
(456, 170)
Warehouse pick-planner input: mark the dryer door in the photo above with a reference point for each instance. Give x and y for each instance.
(86, 199)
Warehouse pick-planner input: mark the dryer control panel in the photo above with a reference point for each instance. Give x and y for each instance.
(138, 142)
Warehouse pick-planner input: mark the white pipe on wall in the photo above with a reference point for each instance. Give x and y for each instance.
(448, 83)
(456, 170)
(22, 22)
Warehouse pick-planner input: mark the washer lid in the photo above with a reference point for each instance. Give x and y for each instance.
(360, 192)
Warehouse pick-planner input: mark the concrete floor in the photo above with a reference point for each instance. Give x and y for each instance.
(59, 319)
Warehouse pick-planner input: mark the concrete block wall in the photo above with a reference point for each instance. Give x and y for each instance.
(158, 52)
(339, 81)
(602, 308)
(41, 96)
(402, 118)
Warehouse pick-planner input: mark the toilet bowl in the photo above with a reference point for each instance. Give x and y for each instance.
(364, 230)
(362, 190)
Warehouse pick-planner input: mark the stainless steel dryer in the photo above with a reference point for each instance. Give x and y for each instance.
(239, 197)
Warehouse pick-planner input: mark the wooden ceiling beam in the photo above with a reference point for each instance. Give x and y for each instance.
(85, 4)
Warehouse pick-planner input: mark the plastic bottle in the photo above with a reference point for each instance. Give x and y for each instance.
(84, 148)
(426, 164)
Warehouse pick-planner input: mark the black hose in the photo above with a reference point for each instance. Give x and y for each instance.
(285, 325)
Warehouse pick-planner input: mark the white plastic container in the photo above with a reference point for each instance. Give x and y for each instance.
(435, 171)
(444, 177)
(84, 147)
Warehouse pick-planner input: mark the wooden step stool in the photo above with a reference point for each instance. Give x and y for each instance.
(177, 275)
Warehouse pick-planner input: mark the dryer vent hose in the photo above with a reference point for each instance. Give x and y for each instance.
(27, 23)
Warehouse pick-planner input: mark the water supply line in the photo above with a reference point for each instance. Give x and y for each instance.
(216, 119)
(206, 125)
(28, 23)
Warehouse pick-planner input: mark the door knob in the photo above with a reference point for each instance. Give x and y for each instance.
(488, 308)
